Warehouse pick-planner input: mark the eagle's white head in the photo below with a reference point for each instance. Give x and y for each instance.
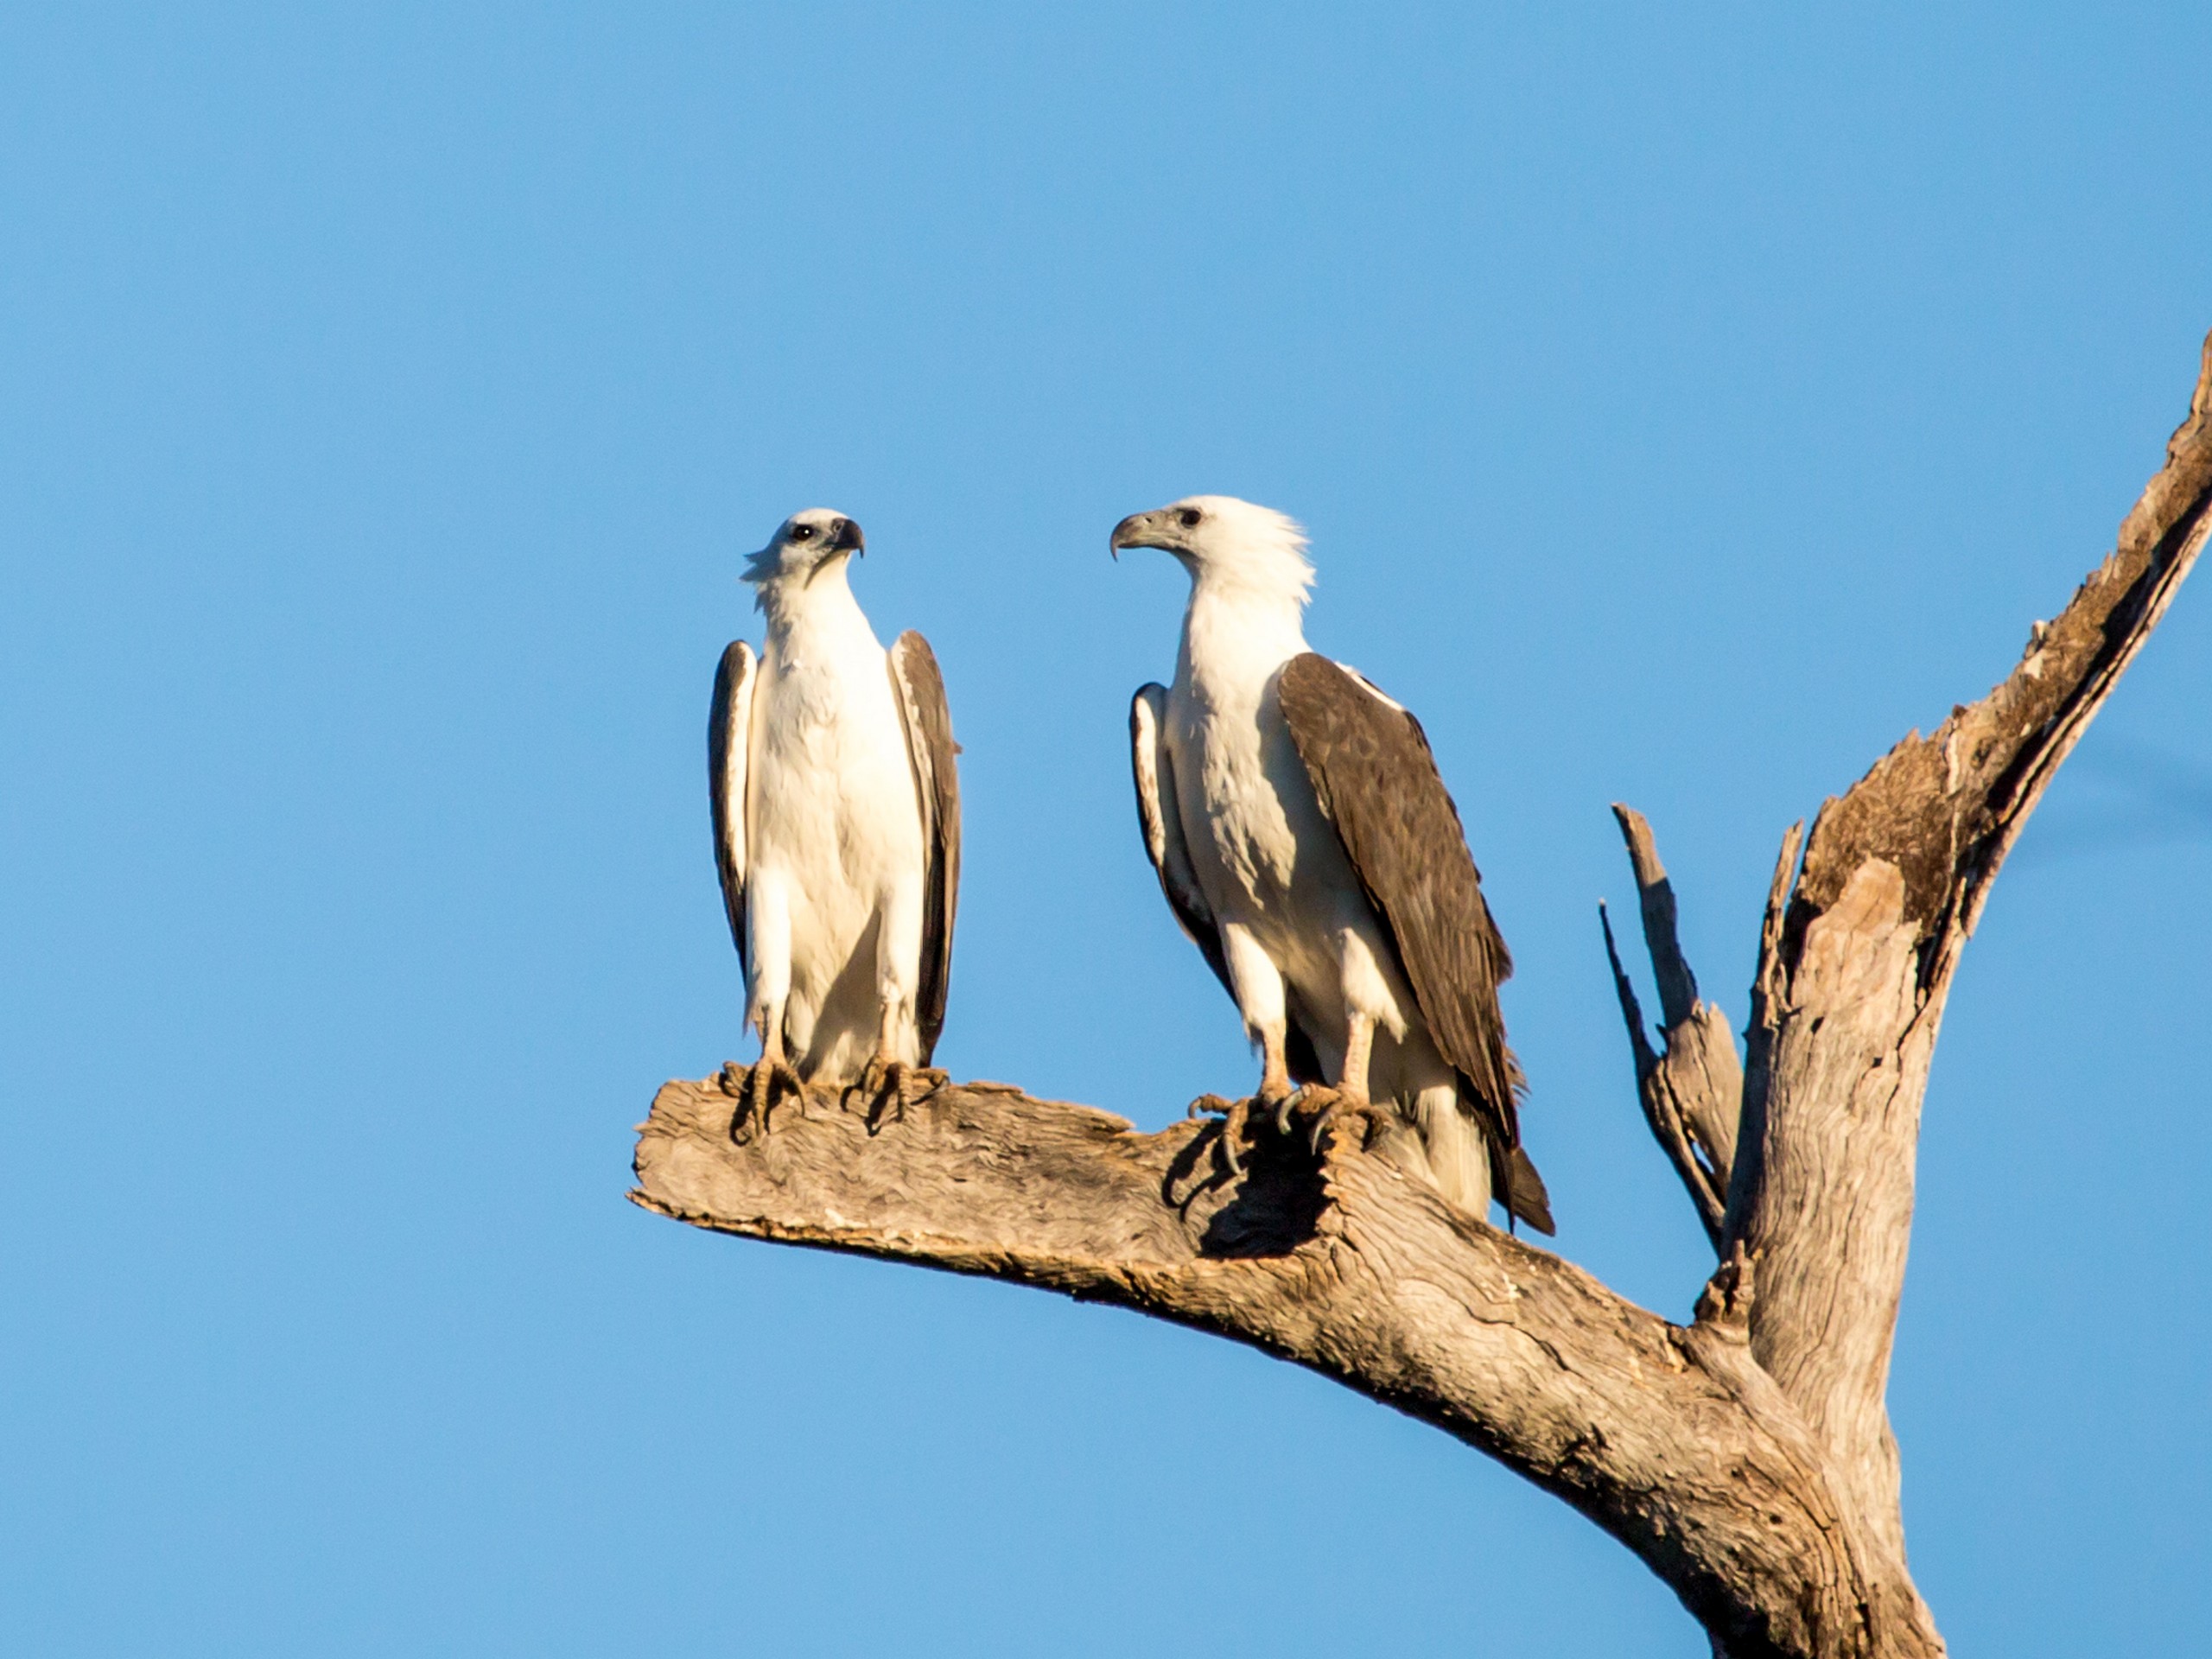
(805, 545)
(1225, 544)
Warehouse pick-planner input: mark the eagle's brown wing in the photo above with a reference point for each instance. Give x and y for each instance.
(1372, 766)
(919, 689)
(729, 730)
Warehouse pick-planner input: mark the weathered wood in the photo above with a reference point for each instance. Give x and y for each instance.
(1693, 1089)
(1667, 1436)
(1851, 985)
(1747, 1457)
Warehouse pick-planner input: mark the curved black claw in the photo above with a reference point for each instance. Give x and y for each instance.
(883, 1083)
(1232, 1114)
(1320, 1122)
(1232, 1135)
(769, 1078)
(1316, 1105)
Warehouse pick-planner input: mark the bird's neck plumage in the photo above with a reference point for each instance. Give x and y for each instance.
(1236, 635)
(810, 615)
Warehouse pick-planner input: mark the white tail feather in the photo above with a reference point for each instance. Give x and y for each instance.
(1459, 1159)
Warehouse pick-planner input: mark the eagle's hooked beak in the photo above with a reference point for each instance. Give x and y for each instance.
(844, 538)
(1131, 532)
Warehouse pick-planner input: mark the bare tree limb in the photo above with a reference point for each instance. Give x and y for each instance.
(1693, 1092)
(1759, 1039)
(1746, 1457)
(1656, 897)
(1851, 988)
(1667, 1436)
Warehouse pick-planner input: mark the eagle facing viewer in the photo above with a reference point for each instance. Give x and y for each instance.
(1304, 840)
(837, 814)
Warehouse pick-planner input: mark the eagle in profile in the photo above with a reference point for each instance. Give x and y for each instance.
(1305, 842)
(837, 814)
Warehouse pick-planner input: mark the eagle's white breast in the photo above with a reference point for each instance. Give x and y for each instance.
(1265, 855)
(833, 820)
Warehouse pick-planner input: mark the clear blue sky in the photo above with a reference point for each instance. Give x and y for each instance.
(1683, 409)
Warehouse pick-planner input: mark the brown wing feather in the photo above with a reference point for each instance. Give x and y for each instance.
(919, 689)
(1370, 765)
(727, 734)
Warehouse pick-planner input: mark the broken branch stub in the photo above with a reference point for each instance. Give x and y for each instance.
(1692, 1089)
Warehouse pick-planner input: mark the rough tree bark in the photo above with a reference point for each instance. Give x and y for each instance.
(1746, 1457)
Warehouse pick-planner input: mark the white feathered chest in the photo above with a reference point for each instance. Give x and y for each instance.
(833, 789)
(1250, 810)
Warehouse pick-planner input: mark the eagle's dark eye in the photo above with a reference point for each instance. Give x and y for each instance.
(802, 533)
(1189, 518)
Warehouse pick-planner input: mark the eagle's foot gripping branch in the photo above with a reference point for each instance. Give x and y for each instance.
(1317, 1107)
(1235, 1115)
(1305, 1112)
(756, 1091)
(889, 1087)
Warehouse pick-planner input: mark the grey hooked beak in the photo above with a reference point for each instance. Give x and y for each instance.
(1130, 532)
(845, 537)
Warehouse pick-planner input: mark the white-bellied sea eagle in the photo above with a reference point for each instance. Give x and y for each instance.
(1305, 842)
(837, 814)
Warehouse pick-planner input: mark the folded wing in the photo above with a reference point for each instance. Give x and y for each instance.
(1162, 823)
(1372, 766)
(919, 689)
(730, 725)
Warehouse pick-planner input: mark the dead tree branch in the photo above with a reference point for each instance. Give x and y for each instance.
(1693, 1090)
(1746, 1457)
(1850, 995)
(1342, 1262)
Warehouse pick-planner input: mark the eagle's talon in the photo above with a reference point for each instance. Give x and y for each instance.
(1232, 1135)
(1316, 1105)
(760, 1092)
(1232, 1114)
(1321, 1120)
(884, 1083)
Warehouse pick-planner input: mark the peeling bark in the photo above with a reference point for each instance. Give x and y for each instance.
(1746, 1457)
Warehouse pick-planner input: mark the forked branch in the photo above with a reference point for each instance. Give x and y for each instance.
(1851, 983)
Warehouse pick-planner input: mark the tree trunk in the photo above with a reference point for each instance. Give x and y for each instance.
(1746, 1457)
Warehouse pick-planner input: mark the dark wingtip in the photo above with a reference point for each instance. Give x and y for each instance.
(1526, 1197)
